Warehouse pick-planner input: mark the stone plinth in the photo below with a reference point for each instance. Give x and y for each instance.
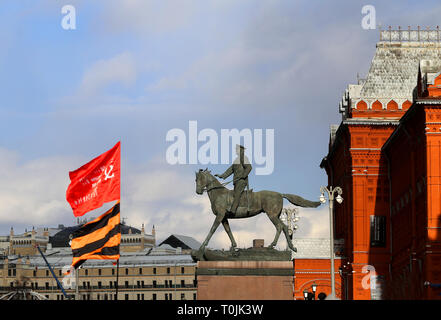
(245, 280)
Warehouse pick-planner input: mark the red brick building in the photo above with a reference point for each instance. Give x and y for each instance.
(381, 154)
(312, 266)
(414, 156)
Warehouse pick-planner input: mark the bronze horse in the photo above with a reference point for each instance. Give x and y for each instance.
(250, 205)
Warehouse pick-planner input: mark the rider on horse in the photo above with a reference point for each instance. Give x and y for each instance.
(240, 169)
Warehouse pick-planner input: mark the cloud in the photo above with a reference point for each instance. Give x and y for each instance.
(119, 69)
(146, 16)
(33, 192)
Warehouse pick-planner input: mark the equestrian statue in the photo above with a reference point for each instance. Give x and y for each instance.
(240, 203)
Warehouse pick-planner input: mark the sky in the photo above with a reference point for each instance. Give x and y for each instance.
(132, 70)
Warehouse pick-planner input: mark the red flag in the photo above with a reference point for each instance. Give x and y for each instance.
(96, 182)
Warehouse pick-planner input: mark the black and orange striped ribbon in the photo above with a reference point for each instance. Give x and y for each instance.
(98, 239)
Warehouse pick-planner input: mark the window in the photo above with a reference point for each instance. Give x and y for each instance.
(140, 270)
(154, 296)
(378, 231)
(126, 284)
(182, 296)
(126, 296)
(113, 272)
(127, 271)
(99, 284)
(182, 283)
(182, 270)
(194, 296)
(154, 270)
(47, 285)
(168, 270)
(99, 272)
(154, 284)
(86, 272)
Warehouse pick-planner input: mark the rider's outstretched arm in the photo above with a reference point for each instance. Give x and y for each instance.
(227, 173)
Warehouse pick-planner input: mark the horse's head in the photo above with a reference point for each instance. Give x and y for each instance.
(202, 180)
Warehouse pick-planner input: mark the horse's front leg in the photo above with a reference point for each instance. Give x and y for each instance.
(230, 234)
(217, 221)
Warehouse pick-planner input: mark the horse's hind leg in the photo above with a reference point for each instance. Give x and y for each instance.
(278, 226)
(228, 231)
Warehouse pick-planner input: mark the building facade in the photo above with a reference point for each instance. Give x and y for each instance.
(413, 153)
(140, 277)
(356, 161)
(145, 271)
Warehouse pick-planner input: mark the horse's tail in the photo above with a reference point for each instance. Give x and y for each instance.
(299, 201)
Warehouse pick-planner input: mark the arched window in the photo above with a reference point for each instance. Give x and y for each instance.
(406, 105)
(361, 105)
(392, 105)
(377, 105)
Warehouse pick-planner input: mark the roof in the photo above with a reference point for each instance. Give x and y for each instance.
(185, 242)
(315, 248)
(60, 257)
(393, 74)
(394, 69)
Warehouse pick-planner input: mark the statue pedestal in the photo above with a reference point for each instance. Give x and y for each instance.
(245, 280)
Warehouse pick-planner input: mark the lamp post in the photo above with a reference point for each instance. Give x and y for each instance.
(331, 194)
(290, 216)
(314, 289)
(305, 294)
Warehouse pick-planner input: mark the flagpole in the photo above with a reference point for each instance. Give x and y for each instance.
(117, 276)
(77, 280)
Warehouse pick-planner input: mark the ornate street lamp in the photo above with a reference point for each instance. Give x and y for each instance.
(314, 289)
(305, 294)
(290, 216)
(331, 192)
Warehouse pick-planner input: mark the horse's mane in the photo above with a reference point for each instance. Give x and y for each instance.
(212, 178)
